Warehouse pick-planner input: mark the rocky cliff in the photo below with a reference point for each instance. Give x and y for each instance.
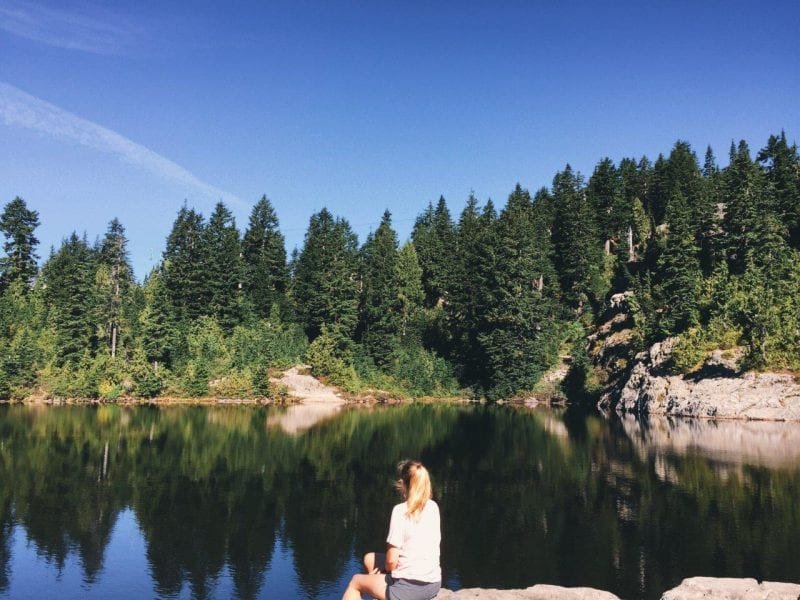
(644, 384)
(716, 390)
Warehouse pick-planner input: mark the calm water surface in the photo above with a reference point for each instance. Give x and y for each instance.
(266, 503)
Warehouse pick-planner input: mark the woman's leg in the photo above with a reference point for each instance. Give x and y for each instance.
(374, 585)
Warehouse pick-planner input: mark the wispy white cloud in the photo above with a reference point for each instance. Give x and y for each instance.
(20, 109)
(100, 32)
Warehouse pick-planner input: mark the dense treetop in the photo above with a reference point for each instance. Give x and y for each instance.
(485, 301)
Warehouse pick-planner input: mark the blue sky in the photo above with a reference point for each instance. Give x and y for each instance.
(123, 109)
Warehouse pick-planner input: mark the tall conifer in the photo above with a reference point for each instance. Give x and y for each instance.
(326, 286)
(68, 278)
(184, 265)
(264, 253)
(18, 224)
(521, 337)
(113, 283)
(680, 268)
(380, 316)
(577, 248)
(223, 252)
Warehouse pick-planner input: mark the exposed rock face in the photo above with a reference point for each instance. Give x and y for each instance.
(716, 391)
(732, 589)
(537, 592)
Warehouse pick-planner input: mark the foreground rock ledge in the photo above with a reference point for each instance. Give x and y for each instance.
(690, 589)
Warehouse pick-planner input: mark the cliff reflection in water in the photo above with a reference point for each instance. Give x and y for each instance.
(226, 503)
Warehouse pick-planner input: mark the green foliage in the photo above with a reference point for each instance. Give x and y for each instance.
(264, 254)
(326, 276)
(466, 312)
(259, 381)
(68, 277)
(195, 378)
(159, 330)
(434, 237)
(680, 269)
(420, 372)
(521, 337)
(184, 264)
(148, 383)
(224, 268)
(694, 345)
(331, 355)
(580, 385)
(234, 384)
(710, 254)
(578, 251)
(379, 325)
(410, 295)
(18, 223)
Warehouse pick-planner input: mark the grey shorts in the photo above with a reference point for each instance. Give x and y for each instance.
(406, 589)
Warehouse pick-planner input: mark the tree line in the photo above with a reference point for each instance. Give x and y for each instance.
(487, 301)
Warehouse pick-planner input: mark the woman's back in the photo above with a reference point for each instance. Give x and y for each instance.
(418, 541)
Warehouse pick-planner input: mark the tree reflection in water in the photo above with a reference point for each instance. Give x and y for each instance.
(526, 497)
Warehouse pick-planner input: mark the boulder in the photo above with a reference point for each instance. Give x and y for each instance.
(537, 592)
(723, 588)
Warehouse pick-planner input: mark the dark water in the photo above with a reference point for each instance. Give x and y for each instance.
(252, 503)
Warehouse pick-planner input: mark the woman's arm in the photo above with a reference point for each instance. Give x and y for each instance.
(392, 557)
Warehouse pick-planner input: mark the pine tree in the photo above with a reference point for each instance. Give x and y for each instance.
(265, 271)
(577, 249)
(710, 226)
(434, 239)
(114, 280)
(466, 308)
(659, 187)
(410, 294)
(223, 252)
(326, 286)
(18, 224)
(521, 337)
(745, 195)
(603, 193)
(158, 322)
(680, 269)
(684, 175)
(782, 164)
(379, 312)
(68, 277)
(184, 266)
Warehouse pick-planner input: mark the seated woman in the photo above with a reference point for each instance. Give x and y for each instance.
(410, 568)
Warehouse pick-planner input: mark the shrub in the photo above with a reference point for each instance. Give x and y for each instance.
(148, 384)
(195, 378)
(236, 384)
(421, 372)
(330, 355)
(259, 381)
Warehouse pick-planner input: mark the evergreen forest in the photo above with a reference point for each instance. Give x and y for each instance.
(481, 302)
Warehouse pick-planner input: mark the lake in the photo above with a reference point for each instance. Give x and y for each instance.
(255, 502)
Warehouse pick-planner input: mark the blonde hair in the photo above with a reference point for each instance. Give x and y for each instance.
(415, 486)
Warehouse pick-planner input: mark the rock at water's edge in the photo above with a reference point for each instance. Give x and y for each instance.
(537, 592)
(692, 588)
(649, 389)
(696, 588)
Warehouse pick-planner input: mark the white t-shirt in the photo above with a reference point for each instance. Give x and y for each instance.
(418, 542)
